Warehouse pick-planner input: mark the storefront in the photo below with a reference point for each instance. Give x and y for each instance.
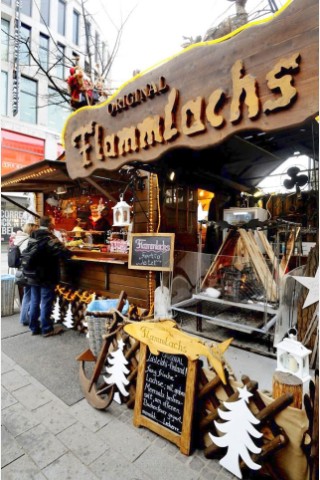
(217, 118)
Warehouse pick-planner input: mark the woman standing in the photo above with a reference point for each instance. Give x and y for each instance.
(21, 240)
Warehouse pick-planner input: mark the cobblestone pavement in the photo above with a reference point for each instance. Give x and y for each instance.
(43, 438)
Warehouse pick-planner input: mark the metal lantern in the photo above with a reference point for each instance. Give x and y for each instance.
(293, 357)
(121, 213)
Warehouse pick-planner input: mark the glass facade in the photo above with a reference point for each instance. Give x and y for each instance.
(4, 93)
(5, 27)
(28, 100)
(45, 12)
(25, 33)
(44, 51)
(76, 26)
(60, 67)
(26, 7)
(62, 17)
(58, 111)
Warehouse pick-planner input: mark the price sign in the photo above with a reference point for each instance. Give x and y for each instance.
(151, 251)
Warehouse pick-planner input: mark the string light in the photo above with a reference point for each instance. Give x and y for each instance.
(28, 177)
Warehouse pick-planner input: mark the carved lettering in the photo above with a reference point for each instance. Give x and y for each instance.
(95, 145)
(170, 127)
(191, 117)
(153, 90)
(140, 95)
(163, 86)
(110, 146)
(143, 94)
(127, 140)
(81, 140)
(112, 109)
(150, 131)
(98, 142)
(279, 80)
(215, 103)
(244, 90)
(130, 99)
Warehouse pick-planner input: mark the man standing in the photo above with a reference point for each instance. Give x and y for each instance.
(43, 274)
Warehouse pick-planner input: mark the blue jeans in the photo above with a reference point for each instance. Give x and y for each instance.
(25, 305)
(41, 306)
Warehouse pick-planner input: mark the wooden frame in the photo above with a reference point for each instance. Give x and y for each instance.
(151, 259)
(183, 440)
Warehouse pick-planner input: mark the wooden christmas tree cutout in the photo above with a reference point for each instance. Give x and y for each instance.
(239, 424)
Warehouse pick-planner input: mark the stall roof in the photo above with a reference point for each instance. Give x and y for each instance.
(42, 177)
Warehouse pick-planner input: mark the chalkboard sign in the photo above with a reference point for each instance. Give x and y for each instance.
(165, 396)
(164, 390)
(151, 251)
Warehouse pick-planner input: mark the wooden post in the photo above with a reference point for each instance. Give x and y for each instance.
(284, 382)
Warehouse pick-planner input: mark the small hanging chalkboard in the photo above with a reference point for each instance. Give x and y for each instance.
(165, 396)
(151, 251)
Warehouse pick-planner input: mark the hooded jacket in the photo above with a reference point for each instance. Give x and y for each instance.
(21, 240)
(47, 260)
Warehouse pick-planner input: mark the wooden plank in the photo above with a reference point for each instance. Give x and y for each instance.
(115, 279)
(259, 265)
(228, 244)
(289, 250)
(269, 251)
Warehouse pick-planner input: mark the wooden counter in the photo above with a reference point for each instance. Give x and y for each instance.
(107, 274)
(94, 255)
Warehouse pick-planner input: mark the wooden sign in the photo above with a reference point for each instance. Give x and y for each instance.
(164, 336)
(263, 76)
(165, 393)
(166, 378)
(151, 251)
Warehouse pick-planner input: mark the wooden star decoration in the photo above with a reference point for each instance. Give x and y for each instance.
(312, 283)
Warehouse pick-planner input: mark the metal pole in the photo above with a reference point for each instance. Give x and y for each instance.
(16, 61)
(273, 6)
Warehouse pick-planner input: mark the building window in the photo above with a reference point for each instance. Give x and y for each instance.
(45, 12)
(60, 70)
(62, 17)
(4, 93)
(5, 27)
(26, 7)
(28, 100)
(44, 51)
(76, 24)
(7, 2)
(25, 35)
(58, 111)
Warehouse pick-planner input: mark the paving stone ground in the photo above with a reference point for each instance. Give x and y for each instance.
(43, 438)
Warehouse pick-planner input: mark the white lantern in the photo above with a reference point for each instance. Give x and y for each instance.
(121, 213)
(293, 357)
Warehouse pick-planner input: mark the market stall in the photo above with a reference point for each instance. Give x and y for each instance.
(220, 116)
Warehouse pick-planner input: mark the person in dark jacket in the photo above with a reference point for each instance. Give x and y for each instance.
(44, 278)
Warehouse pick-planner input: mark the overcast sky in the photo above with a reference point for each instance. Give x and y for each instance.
(155, 30)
